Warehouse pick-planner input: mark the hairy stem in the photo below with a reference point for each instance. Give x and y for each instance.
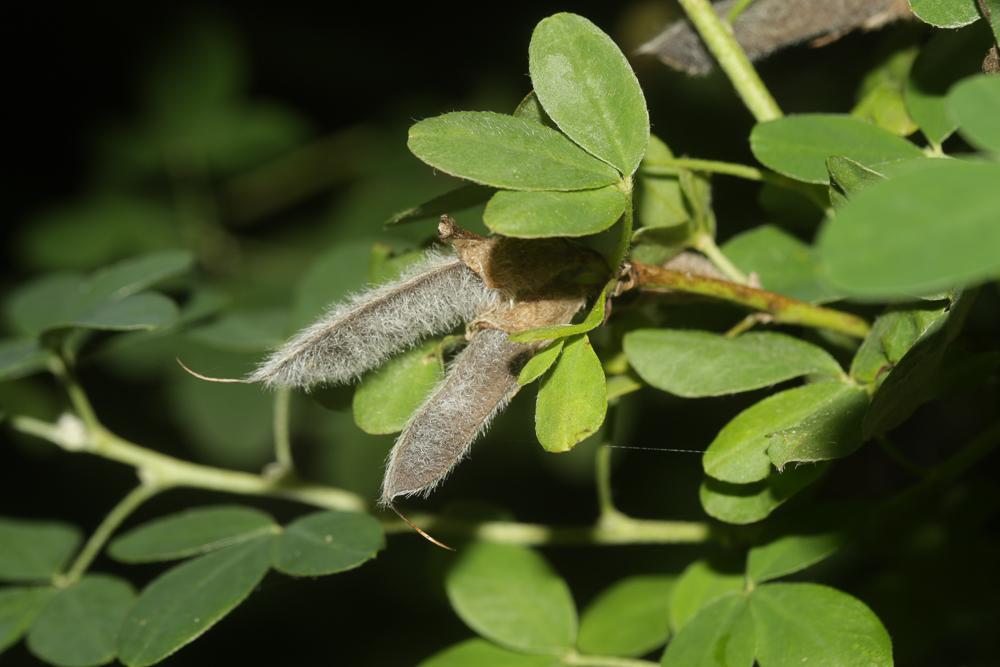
(106, 529)
(718, 37)
(782, 309)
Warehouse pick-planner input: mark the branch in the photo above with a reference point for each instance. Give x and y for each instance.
(733, 60)
(781, 309)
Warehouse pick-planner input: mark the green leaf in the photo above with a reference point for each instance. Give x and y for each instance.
(621, 385)
(453, 201)
(814, 422)
(881, 94)
(541, 362)
(35, 550)
(20, 358)
(509, 594)
(386, 398)
(748, 503)
(327, 542)
(847, 178)
(79, 626)
(484, 654)
(506, 152)
(891, 337)
(798, 146)
(530, 108)
(191, 533)
(19, 607)
(244, 331)
(700, 585)
(138, 312)
(572, 400)
(946, 13)
(588, 88)
(783, 263)
(531, 215)
(184, 602)
(137, 274)
(790, 554)
(947, 57)
(700, 363)
(975, 105)
(659, 199)
(809, 624)
(631, 618)
(917, 233)
(721, 635)
(594, 319)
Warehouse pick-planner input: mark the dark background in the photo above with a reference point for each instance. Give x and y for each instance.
(75, 72)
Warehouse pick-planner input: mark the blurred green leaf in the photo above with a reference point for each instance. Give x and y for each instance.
(332, 276)
(808, 623)
(184, 602)
(544, 214)
(798, 146)
(484, 654)
(453, 201)
(891, 336)
(975, 105)
(659, 199)
(326, 543)
(19, 607)
(506, 152)
(588, 88)
(699, 585)
(700, 363)
(946, 13)
(133, 313)
(20, 357)
(847, 178)
(790, 554)
(572, 399)
(79, 625)
(748, 503)
(244, 330)
(191, 533)
(917, 233)
(881, 96)
(541, 362)
(35, 550)
(386, 398)
(720, 635)
(136, 274)
(815, 422)
(947, 57)
(510, 595)
(631, 618)
(783, 263)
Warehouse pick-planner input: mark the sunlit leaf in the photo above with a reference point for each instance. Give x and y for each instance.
(816, 625)
(541, 362)
(509, 594)
(700, 363)
(386, 398)
(545, 214)
(720, 635)
(946, 13)
(79, 625)
(700, 584)
(588, 88)
(572, 399)
(184, 602)
(191, 533)
(798, 146)
(506, 152)
(326, 543)
(631, 618)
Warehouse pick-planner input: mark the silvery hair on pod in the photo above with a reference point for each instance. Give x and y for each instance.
(480, 382)
(431, 297)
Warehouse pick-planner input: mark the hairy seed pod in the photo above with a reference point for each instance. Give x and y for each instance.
(432, 297)
(769, 25)
(480, 382)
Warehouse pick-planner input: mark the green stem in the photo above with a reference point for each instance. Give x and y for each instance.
(106, 529)
(625, 240)
(707, 246)
(602, 470)
(671, 166)
(282, 436)
(718, 37)
(577, 660)
(738, 8)
(77, 397)
(782, 309)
